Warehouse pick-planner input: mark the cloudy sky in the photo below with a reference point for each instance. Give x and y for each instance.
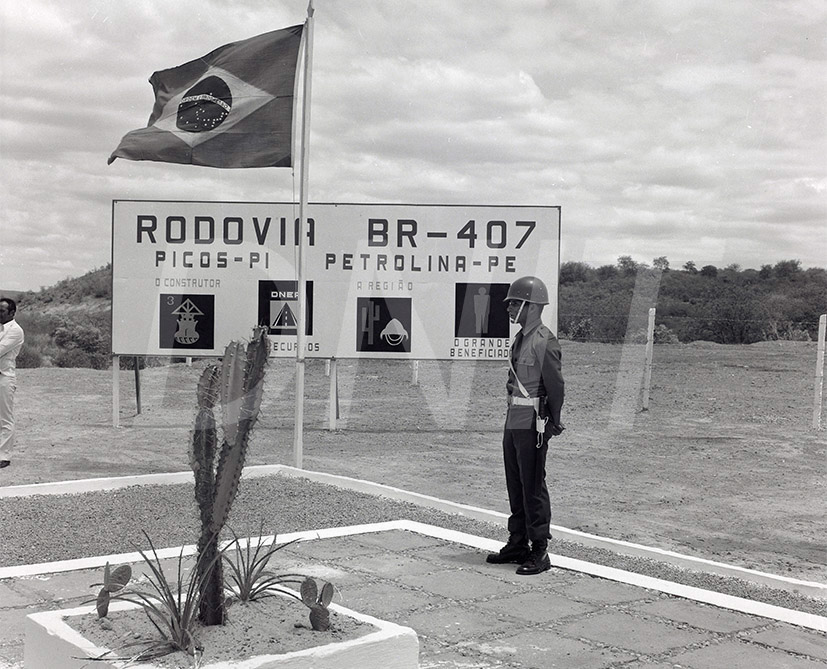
(691, 129)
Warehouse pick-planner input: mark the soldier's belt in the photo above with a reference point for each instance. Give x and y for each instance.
(524, 402)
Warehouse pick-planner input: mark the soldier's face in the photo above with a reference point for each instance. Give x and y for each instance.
(516, 311)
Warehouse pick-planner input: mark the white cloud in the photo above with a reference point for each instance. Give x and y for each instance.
(694, 128)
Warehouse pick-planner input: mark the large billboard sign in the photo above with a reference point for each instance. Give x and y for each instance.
(381, 280)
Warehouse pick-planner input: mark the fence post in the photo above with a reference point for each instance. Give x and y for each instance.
(415, 373)
(819, 383)
(629, 384)
(650, 340)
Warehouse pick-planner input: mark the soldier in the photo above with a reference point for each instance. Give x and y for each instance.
(535, 398)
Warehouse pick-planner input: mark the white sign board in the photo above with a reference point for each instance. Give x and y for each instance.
(382, 280)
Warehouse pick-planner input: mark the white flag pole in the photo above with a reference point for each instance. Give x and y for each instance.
(301, 345)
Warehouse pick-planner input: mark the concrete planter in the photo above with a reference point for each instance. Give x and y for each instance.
(51, 643)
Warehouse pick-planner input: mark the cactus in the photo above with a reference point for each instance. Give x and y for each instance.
(113, 581)
(317, 601)
(237, 385)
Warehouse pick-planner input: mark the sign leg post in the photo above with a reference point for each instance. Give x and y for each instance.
(137, 383)
(333, 410)
(116, 394)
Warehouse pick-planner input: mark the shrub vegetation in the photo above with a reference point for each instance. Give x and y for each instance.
(69, 324)
(725, 305)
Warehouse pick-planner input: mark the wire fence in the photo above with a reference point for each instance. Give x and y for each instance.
(613, 329)
(726, 314)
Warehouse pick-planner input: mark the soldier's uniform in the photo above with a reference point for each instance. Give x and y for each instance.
(536, 359)
(535, 390)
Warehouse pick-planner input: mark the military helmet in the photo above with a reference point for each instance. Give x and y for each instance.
(528, 289)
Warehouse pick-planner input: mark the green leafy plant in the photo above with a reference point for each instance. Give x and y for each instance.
(172, 608)
(253, 581)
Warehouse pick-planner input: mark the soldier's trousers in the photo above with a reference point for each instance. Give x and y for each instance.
(525, 480)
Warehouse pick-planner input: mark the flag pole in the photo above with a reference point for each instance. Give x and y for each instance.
(301, 345)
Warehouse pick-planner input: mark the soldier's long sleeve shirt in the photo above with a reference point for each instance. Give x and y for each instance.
(537, 360)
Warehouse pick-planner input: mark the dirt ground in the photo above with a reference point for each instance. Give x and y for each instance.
(723, 465)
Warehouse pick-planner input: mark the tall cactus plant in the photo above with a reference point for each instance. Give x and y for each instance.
(237, 384)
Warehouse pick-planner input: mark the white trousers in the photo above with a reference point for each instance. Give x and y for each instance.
(8, 384)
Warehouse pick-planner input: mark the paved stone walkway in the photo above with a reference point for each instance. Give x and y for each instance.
(472, 615)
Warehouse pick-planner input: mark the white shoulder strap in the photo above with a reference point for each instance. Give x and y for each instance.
(514, 372)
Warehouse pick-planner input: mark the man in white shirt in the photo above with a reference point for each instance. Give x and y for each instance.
(11, 341)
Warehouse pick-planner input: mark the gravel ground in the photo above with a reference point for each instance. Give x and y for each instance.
(46, 528)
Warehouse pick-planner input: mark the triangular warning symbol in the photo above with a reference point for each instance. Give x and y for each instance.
(285, 318)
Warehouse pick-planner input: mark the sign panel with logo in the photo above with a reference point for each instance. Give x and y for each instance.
(186, 321)
(278, 307)
(382, 280)
(383, 324)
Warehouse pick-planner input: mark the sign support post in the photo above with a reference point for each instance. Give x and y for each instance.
(333, 407)
(136, 360)
(116, 390)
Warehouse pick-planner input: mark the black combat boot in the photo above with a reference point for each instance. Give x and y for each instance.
(537, 560)
(516, 551)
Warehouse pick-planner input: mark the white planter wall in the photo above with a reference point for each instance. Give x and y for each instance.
(51, 643)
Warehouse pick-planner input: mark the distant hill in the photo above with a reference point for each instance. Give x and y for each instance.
(68, 324)
(91, 292)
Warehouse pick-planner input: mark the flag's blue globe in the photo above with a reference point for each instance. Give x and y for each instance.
(205, 105)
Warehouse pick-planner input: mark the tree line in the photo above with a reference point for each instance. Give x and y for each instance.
(69, 324)
(725, 305)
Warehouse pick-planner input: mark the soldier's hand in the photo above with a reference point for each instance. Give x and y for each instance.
(555, 429)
